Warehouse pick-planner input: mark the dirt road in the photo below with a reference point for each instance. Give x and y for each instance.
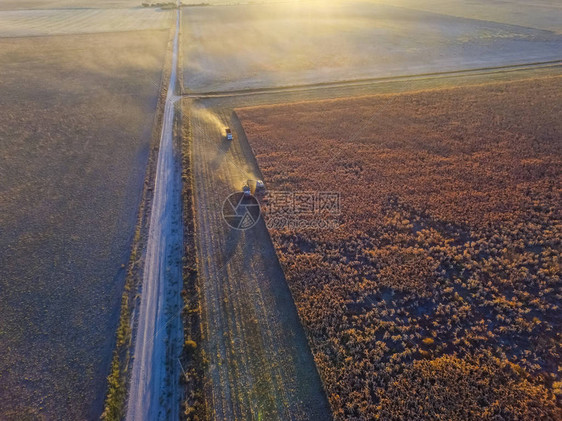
(154, 392)
(260, 366)
(370, 82)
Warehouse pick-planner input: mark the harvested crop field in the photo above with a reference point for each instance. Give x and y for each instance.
(438, 297)
(27, 23)
(257, 363)
(538, 14)
(76, 119)
(61, 4)
(265, 45)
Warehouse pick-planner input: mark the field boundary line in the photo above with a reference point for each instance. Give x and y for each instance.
(374, 80)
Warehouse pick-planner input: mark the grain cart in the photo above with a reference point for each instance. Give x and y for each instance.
(255, 187)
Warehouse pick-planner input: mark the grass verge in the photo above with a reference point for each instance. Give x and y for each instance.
(193, 405)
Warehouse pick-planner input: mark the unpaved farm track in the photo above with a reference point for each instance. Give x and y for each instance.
(360, 83)
(259, 363)
(154, 391)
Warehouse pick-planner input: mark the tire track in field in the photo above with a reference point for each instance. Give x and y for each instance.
(243, 295)
(211, 316)
(259, 363)
(252, 288)
(220, 282)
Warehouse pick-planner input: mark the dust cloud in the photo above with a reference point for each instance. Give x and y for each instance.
(229, 169)
(272, 45)
(210, 118)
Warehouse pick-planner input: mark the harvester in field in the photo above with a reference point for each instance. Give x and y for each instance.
(254, 187)
(228, 134)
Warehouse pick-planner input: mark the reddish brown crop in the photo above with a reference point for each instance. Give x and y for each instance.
(439, 296)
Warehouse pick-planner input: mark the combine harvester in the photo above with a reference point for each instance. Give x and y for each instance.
(254, 187)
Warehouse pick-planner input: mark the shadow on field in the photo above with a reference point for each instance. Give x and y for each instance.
(221, 153)
(232, 242)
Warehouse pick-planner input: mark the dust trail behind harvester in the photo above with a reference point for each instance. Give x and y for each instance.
(221, 155)
(208, 117)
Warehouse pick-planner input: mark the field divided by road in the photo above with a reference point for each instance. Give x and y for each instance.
(76, 116)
